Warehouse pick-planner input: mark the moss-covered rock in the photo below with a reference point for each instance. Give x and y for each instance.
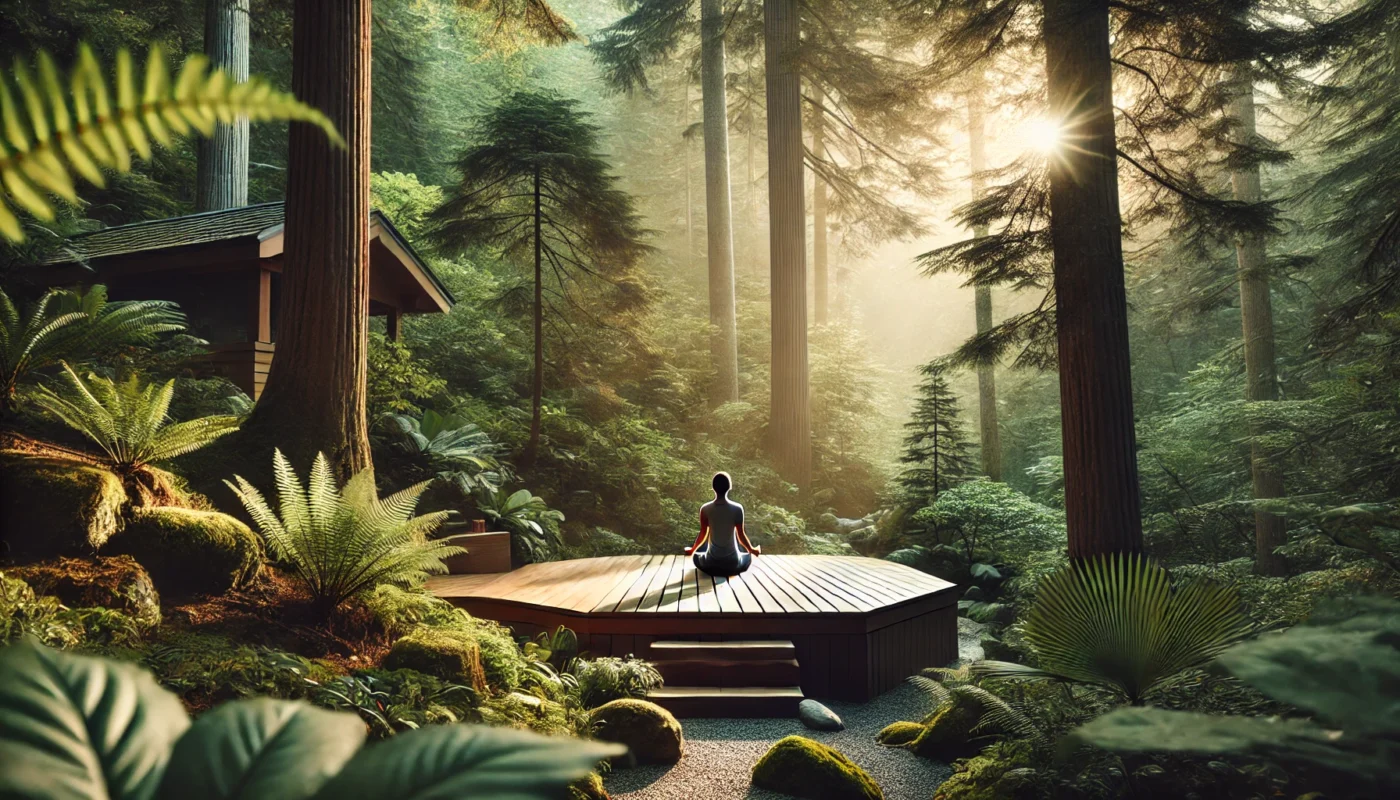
(450, 655)
(589, 788)
(400, 611)
(651, 734)
(191, 552)
(54, 507)
(898, 734)
(1000, 774)
(803, 768)
(948, 732)
(116, 582)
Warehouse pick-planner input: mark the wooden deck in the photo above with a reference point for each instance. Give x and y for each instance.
(860, 625)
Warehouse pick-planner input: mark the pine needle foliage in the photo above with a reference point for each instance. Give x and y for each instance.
(129, 420)
(1118, 623)
(71, 326)
(52, 126)
(343, 542)
(935, 447)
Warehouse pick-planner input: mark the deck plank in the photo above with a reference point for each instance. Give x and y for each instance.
(776, 578)
(817, 587)
(651, 599)
(708, 600)
(671, 597)
(743, 594)
(637, 591)
(619, 590)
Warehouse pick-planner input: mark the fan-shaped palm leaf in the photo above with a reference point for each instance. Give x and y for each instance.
(343, 542)
(129, 420)
(1117, 622)
(85, 124)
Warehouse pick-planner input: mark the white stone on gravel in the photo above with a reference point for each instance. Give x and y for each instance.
(818, 717)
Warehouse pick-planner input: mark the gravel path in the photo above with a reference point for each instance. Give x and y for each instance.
(720, 753)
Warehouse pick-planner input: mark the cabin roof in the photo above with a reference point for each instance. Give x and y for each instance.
(262, 222)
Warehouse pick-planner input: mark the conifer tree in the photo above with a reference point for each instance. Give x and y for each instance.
(534, 185)
(935, 447)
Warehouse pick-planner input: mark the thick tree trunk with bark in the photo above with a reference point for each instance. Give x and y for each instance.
(819, 231)
(986, 373)
(1257, 318)
(1102, 505)
(724, 339)
(221, 178)
(790, 422)
(315, 396)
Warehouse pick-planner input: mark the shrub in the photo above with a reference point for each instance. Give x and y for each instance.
(533, 525)
(804, 768)
(400, 611)
(447, 654)
(52, 507)
(602, 680)
(986, 518)
(23, 612)
(1118, 623)
(651, 734)
(189, 552)
(101, 728)
(342, 543)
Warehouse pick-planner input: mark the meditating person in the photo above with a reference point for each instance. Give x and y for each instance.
(726, 549)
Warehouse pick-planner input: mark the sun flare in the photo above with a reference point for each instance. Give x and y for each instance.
(1041, 135)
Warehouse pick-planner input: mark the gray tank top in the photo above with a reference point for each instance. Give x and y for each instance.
(725, 516)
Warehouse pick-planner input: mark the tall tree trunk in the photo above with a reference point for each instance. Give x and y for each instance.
(1102, 506)
(315, 396)
(1257, 319)
(724, 339)
(986, 373)
(221, 178)
(685, 165)
(753, 236)
(532, 447)
(790, 424)
(819, 276)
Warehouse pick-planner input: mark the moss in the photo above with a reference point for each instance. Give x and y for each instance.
(589, 788)
(804, 768)
(116, 583)
(447, 654)
(53, 507)
(191, 552)
(947, 732)
(400, 611)
(898, 734)
(651, 734)
(996, 775)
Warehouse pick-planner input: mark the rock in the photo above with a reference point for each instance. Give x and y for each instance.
(116, 582)
(191, 552)
(898, 734)
(997, 650)
(844, 525)
(54, 507)
(449, 655)
(588, 788)
(988, 778)
(800, 767)
(651, 734)
(946, 735)
(818, 717)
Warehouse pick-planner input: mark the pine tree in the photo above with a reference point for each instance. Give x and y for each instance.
(935, 448)
(534, 185)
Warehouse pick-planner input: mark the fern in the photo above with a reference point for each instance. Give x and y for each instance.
(342, 543)
(129, 420)
(51, 128)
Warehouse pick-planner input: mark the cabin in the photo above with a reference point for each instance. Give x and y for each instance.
(224, 268)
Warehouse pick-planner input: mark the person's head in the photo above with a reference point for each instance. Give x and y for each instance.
(721, 482)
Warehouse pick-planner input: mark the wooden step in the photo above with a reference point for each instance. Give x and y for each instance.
(752, 650)
(735, 701)
(714, 672)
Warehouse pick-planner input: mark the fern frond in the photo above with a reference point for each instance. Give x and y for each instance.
(998, 716)
(93, 125)
(936, 692)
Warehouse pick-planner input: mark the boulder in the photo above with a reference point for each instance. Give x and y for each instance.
(651, 734)
(899, 734)
(53, 507)
(818, 717)
(191, 552)
(447, 654)
(800, 767)
(117, 582)
(947, 733)
(588, 788)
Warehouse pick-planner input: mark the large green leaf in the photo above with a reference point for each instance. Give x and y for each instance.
(467, 761)
(83, 728)
(261, 748)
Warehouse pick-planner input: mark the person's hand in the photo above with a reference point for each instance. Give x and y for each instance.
(757, 550)
(689, 549)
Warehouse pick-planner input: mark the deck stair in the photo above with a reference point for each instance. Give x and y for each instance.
(758, 678)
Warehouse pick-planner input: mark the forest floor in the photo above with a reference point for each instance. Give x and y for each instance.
(720, 753)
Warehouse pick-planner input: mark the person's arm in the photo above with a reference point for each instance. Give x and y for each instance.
(744, 539)
(704, 533)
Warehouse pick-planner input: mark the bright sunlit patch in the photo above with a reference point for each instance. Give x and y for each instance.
(1041, 135)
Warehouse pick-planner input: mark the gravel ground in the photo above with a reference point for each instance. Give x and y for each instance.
(720, 753)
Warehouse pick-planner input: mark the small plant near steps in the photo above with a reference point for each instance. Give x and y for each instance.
(728, 679)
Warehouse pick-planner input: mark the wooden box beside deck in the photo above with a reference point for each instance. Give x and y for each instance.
(860, 626)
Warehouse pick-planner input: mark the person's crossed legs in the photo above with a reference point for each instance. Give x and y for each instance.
(724, 568)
